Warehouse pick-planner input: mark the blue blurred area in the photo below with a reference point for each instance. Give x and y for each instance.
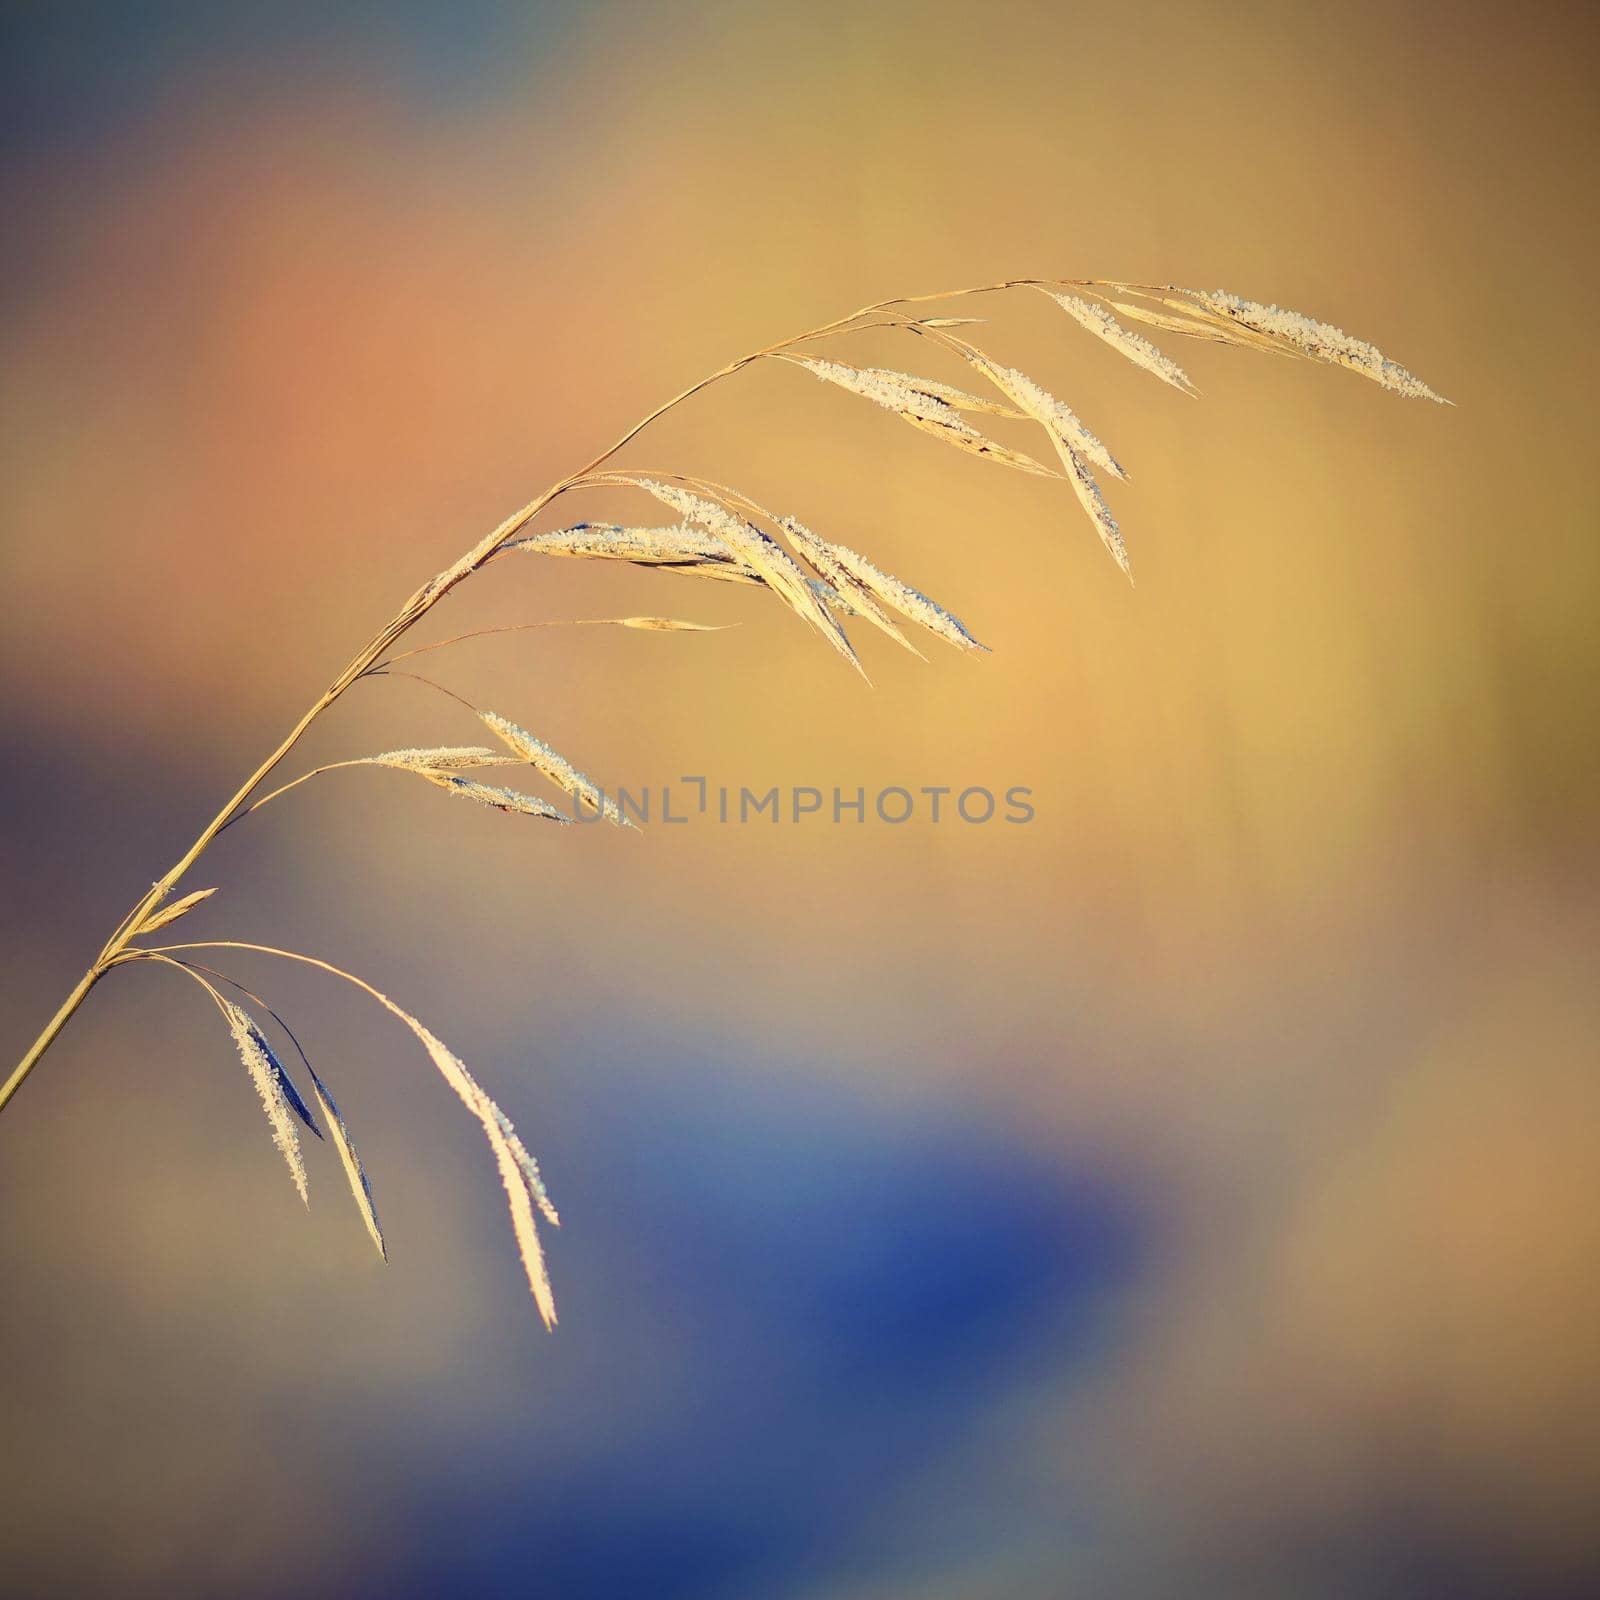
(76, 70)
(865, 1284)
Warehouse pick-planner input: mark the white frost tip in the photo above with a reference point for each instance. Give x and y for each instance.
(1319, 340)
(1138, 349)
(267, 1076)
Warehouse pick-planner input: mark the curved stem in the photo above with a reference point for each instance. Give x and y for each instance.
(417, 677)
(272, 950)
(483, 633)
(293, 783)
(420, 603)
(195, 971)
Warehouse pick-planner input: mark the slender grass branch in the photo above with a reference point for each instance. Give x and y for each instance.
(721, 534)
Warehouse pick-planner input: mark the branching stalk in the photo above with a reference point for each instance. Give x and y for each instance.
(753, 556)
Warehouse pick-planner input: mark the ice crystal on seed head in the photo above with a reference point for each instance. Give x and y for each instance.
(1319, 340)
(1138, 349)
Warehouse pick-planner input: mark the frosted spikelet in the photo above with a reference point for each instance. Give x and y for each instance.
(1093, 502)
(759, 552)
(842, 589)
(518, 1171)
(945, 393)
(443, 758)
(443, 766)
(1319, 340)
(1056, 417)
(350, 1159)
(554, 766)
(609, 541)
(1138, 349)
(862, 576)
(272, 1084)
(512, 801)
(915, 401)
(723, 535)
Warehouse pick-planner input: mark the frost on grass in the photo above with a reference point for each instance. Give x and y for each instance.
(513, 801)
(1138, 349)
(863, 584)
(840, 588)
(760, 553)
(554, 766)
(442, 766)
(1094, 503)
(610, 541)
(1056, 417)
(915, 401)
(519, 1172)
(350, 1159)
(445, 758)
(947, 394)
(1319, 340)
(722, 535)
(277, 1093)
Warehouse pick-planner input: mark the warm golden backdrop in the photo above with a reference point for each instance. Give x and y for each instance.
(1291, 977)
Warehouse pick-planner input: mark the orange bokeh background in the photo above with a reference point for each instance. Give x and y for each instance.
(1298, 949)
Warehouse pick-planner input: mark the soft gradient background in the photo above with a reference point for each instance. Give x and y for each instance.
(1193, 1193)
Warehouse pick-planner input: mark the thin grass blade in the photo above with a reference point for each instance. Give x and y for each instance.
(350, 1158)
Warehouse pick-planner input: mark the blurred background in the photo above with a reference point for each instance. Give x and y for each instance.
(1190, 1193)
